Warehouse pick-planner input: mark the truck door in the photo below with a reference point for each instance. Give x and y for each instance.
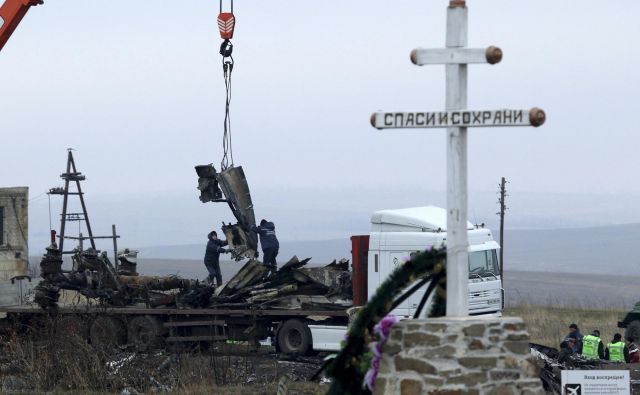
(373, 272)
(395, 259)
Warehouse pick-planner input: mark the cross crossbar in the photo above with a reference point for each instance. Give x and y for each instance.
(425, 56)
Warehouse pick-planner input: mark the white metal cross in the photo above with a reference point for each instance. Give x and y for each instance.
(457, 119)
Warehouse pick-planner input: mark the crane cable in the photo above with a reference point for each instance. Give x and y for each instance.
(226, 25)
(227, 67)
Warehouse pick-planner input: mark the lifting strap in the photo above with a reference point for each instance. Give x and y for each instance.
(226, 25)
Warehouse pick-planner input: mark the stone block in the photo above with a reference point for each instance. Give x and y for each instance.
(438, 352)
(420, 339)
(450, 372)
(518, 336)
(529, 369)
(514, 326)
(456, 391)
(434, 328)
(475, 330)
(476, 344)
(414, 365)
(411, 387)
(396, 334)
(392, 348)
(469, 379)
(517, 347)
(459, 356)
(380, 387)
(533, 383)
(504, 375)
(452, 338)
(414, 328)
(386, 364)
(502, 390)
(511, 362)
(479, 362)
(433, 380)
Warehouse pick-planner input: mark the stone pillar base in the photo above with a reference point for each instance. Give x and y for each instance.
(456, 356)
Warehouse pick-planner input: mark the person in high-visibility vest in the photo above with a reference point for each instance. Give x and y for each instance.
(592, 347)
(617, 351)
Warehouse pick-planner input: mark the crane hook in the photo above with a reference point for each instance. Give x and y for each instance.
(226, 23)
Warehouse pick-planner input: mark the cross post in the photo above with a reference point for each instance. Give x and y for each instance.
(456, 99)
(456, 119)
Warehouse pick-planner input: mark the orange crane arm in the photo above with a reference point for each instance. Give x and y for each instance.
(11, 13)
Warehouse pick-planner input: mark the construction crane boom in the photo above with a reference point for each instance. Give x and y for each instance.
(11, 13)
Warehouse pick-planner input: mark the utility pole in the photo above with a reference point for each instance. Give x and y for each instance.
(503, 208)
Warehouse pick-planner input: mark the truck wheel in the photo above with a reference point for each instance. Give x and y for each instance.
(107, 333)
(294, 337)
(145, 333)
(633, 330)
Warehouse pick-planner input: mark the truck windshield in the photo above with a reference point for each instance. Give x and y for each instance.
(483, 263)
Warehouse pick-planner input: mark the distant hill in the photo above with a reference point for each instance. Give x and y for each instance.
(598, 250)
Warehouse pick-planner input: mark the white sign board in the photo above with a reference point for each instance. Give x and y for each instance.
(462, 118)
(595, 382)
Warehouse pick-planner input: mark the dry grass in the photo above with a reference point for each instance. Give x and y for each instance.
(68, 365)
(548, 325)
(299, 388)
(47, 362)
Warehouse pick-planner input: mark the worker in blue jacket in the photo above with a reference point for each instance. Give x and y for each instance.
(269, 242)
(212, 257)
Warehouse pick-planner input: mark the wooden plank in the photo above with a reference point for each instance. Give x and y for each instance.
(194, 323)
(425, 56)
(195, 338)
(457, 205)
(458, 118)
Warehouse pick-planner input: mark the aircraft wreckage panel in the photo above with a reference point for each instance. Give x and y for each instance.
(231, 182)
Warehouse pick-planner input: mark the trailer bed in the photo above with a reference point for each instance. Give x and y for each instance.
(173, 311)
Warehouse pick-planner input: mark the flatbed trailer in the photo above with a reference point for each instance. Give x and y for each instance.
(151, 328)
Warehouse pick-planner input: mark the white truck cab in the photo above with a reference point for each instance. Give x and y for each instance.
(397, 234)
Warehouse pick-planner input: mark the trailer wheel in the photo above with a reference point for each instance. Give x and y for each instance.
(107, 333)
(633, 330)
(145, 333)
(294, 337)
(70, 326)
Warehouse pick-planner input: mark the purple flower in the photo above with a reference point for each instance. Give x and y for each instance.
(375, 364)
(377, 349)
(370, 379)
(382, 330)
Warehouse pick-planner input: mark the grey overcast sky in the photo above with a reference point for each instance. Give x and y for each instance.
(136, 88)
